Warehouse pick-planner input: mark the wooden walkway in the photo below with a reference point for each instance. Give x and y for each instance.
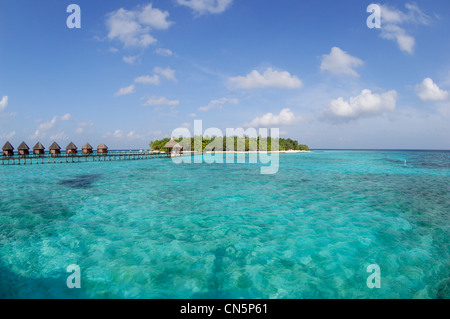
(78, 158)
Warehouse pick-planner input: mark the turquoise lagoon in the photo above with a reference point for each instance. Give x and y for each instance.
(155, 229)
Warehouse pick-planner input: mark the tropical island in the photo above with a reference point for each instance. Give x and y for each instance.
(232, 143)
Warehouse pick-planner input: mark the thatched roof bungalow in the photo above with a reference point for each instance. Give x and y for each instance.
(23, 149)
(87, 149)
(8, 149)
(38, 149)
(172, 147)
(55, 149)
(102, 148)
(71, 148)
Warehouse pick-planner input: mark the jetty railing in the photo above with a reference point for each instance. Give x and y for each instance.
(48, 158)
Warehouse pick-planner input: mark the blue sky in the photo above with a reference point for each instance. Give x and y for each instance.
(136, 70)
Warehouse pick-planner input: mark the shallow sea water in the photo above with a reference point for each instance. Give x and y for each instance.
(155, 229)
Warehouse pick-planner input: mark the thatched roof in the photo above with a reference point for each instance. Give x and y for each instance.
(39, 147)
(87, 146)
(71, 146)
(23, 147)
(172, 144)
(8, 147)
(102, 147)
(55, 146)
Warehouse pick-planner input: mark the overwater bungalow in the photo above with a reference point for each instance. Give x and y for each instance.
(55, 149)
(8, 149)
(23, 149)
(87, 149)
(102, 149)
(71, 148)
(71, 156)
(38, 149)
(173, 148)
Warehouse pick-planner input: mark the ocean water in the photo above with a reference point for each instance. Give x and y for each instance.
(155, 229)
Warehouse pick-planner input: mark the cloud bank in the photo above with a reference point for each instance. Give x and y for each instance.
(3, 103)
(268, 120)
(132, 27)
(218, 104)
(340, 62)
(206, 6)
(429, 91)
(269, 79)
(366, 104)
(393, 21)
(154, 101)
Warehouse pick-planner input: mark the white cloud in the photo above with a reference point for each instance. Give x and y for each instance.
(186, 125)
(366, 104)
(131, 135)
(218, 104)
(115, 134)
(429, 91)
(3, 103)
(192, 115)
(118, 134)
(154, 18)
(286, 117)
(168, 73)
(132, 27)
(43, 128)
(59, 136)
(206, 6)
(83, 126)
(130, 59)
(146, 79)
(270, 78)
(164, 52)
(393, 32)
(392, 18)
(125, 91)
(86, 124)
(340, 62)
(154, 100)
(412, 15)
(48, 125)
(65, 117)
(8, 135)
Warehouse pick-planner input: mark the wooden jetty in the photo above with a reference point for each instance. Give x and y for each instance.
(78, 158)
(71, 155)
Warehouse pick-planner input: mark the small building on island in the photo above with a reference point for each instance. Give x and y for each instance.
(23, 149)
(55, 149)
(71, 148)
(173, 148)
(87, 149)
(38, 149)
(102, 149)
(8, 149)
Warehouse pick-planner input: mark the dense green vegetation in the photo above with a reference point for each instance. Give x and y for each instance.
(232, 143)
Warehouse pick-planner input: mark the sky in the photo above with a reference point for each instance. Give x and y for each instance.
(136, 70)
